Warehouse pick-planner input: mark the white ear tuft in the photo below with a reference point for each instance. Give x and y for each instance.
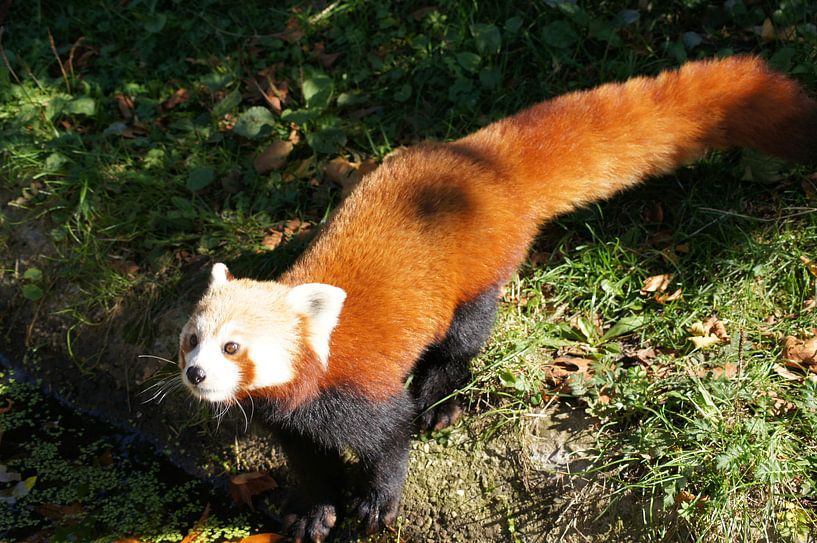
(322, 304)
(219, 275)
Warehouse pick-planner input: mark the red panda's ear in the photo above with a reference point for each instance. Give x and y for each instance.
(321, 304)
(219, 275)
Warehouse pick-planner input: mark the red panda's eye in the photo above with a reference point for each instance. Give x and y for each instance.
(194, 340)
(231, 347)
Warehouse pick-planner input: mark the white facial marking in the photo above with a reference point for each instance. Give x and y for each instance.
(322, 305)
(272, 362)
(221, 376)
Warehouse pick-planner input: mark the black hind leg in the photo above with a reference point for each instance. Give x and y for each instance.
(444, 367)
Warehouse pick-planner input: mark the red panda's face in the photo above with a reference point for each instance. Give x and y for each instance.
(244, 335)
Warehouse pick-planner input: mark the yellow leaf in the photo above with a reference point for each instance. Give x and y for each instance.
(811, 266)
(704, 342)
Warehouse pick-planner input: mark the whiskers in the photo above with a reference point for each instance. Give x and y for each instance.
(166, 384)
(221, 409)
(161, 388)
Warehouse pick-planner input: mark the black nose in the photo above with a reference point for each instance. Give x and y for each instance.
(195, 374)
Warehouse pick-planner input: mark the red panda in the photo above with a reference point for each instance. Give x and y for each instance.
(404, 277)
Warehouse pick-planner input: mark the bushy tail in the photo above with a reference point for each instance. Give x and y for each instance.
(586, 146)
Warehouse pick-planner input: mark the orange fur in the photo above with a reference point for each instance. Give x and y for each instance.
(438, 224)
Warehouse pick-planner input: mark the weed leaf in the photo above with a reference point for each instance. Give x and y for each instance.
(252, 121)
(624, 326)
(33, 274)
(318, 91)
(227, 104)
(200, 177)
(32, 292)
(487, 38)
(559, 34)
(469, 61)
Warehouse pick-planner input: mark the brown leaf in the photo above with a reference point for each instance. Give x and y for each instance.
(263, 538)
(558, 371)
(715, 327)
(125, 267)
(292, 33)
(125, 105)
(646, 356)
(55, 511)
(246, 485)
(6, 408)
(767, 32)
(660, 239)
(347, 174)
(800, 352)
(728, 371)
(326, 59)
(786, 374)
(179, 97)
(273, 239)
(656, 283)
(664, 298)
(196, 532)
(654, 213)
(273, 157)
(134, 131)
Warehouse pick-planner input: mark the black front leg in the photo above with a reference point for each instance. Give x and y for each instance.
(378, 432)
(384, 473)
(313, 506)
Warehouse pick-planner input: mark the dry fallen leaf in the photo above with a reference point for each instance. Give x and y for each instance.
(767, 32)
(811, 266)
(653, 213)
(263, 538)
(273, 239)
(246, 485)
(713, 326)
(196, 531)
(786, 374)
(702, 342)
(292, 33)
(708, 333)
(727, 371)
(800, 352)
(347, 174)
(656, 283)
(179, 97)
(55, 511)
(125, 105)
(558, 371)
(664, 298)
(273, 157)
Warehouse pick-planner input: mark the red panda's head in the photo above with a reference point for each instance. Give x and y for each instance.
(245, 335)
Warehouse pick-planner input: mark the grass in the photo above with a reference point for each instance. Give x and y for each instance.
(128, 134)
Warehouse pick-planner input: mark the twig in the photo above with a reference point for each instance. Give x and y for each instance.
(59, 61)
(6, 59)
(73, 50)
(803, 211)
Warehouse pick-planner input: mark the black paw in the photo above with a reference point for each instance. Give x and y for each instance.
(376, 512)
(441, 416)
(313, 526)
